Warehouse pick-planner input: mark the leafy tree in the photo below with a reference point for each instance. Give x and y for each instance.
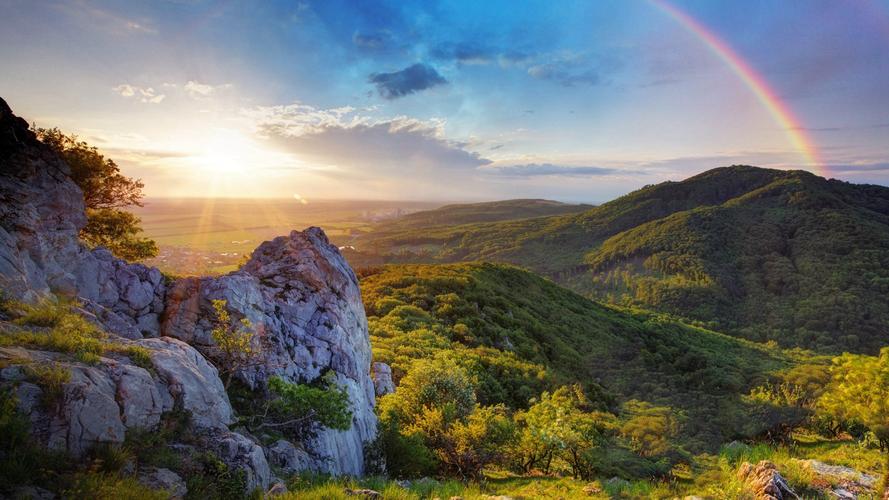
(435, 403)
(300, 410)
(859, 391)
(650, 429)
(562, 425)
(105, 192)
(235, 342)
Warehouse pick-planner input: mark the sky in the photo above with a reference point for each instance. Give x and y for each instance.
(456, 100)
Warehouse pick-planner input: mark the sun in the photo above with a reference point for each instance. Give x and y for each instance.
(228, 151)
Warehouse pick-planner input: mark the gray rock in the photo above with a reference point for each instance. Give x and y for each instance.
(278, 488)
(192, 381)
(382, 376)
(839, 472)
(241, 453)
(163, 479)
(289, 458)
(304, 303)
(31, 493)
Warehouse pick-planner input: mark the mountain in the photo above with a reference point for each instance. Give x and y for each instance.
(470, 213)
(758, 253)
(522, 334)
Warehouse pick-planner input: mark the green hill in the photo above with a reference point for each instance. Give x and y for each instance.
(492, 211)
(763, 254)
(521, 334)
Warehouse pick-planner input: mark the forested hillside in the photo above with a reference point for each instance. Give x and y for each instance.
(519, 334)
(763, 254)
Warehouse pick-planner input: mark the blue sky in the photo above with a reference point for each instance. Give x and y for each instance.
(578, 101)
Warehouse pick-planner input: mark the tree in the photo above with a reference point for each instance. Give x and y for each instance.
(859, 391)
(435, 404)
(236, 342)
(105, 192)
(649, 428)
(561, 425)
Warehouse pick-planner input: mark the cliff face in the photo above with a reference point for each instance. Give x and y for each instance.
(296, 290)
(305, 303)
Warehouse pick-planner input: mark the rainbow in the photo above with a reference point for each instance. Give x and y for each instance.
(755, 82)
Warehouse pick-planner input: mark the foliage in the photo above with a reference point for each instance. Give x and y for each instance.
(562, 427)
(516, 335)
(58, 326)
(297, 411)
(105, 192)
(859, 391)
(118, 231)
(757, 253)
(236, 343)
(650, 429)
(103, 486)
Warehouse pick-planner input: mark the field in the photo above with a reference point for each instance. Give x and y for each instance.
(211, 236)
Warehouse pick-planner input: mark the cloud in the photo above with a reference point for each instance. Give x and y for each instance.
(340, 137)
(372, 41)
(197, 90)
(143, 94)
(864, 167)
(463, 53)
(549, 169)
(564, 73)
(407, 81)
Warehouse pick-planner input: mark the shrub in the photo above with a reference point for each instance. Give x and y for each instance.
(235, 342)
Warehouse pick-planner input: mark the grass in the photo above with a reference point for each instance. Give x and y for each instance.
(104, 486)
(711, 476)
(51, 379)
(55, 326)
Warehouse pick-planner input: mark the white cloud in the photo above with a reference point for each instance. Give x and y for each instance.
(197, 90)
(369, 147)
(143, 94)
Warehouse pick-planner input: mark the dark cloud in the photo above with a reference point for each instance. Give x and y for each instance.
(372, 41)
(566, 73)
(840, 129)
(407, 81)
(869, 167)
(548, 169)
(463, 53)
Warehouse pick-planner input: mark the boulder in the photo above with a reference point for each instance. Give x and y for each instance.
(765, 482)
(240, 453)
(382, 377)
(163, 479)
(289, 458)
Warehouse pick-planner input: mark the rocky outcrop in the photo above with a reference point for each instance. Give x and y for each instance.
(765, 482)
(41, 215)
(297, 291)
(382, 377)
(100, 402)
(304, 303)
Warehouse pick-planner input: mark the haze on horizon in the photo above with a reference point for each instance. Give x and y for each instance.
(448, 101)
